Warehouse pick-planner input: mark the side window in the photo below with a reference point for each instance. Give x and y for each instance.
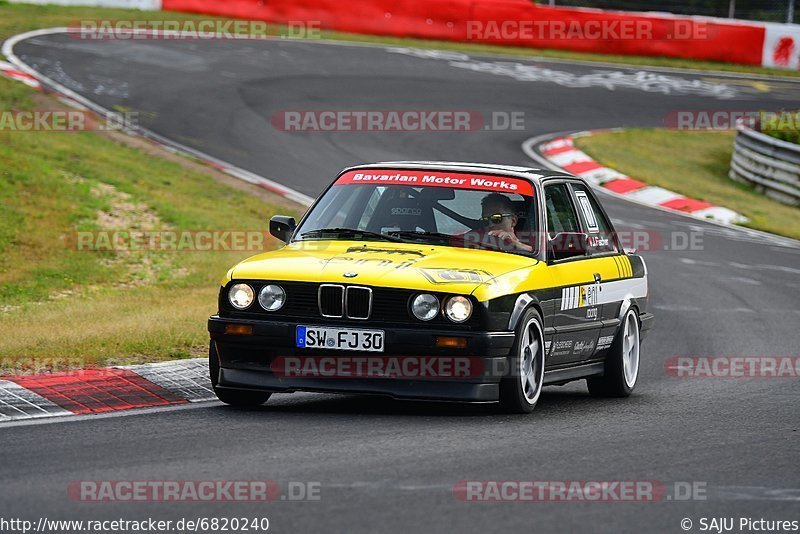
(600, 234)
(561, 215)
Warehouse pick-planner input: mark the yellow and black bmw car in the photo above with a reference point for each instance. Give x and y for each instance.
(429, 280)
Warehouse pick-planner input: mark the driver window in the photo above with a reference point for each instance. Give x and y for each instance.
(561, 216)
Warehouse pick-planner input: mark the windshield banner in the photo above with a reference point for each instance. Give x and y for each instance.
(480, 182)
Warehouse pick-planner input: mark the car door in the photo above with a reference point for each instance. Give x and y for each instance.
(577, 315)
(603, 247)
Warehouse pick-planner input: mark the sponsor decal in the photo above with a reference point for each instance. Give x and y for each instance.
(783, 51)
(407, 211)
(781, 46)
(588, 212)
(562, 348)
(591, 313)
(604, 342)
(596, 242)
(580, 296)
(380, 262)
(583, 346)
(499, 184)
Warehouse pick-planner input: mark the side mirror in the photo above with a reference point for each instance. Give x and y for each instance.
(282, 227)
(567, 245)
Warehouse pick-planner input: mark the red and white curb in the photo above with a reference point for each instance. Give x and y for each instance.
(561, 153)
(10, 71)
(103, 390)
(19, 70)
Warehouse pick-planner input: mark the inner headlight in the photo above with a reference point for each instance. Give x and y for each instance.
(241, 296)
(458, 309)
(425, 306)
(272, 297)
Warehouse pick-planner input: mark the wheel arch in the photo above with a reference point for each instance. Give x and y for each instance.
(524, 302)
(627, 303)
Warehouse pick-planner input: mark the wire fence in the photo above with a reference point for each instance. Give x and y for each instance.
(763, 10)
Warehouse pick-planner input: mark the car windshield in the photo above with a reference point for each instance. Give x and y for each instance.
(436, 207)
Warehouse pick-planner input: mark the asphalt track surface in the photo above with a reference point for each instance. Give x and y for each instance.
(386, 465)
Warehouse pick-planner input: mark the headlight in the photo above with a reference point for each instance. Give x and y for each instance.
(458, 309)
(241, 296)
(272, 297)
(425, 307)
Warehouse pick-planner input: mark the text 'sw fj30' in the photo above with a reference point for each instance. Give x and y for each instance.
(449, 281)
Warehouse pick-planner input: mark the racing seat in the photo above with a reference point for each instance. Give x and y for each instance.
(523, 221)
(403, 213)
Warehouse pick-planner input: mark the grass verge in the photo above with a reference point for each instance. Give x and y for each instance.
(57, 301)
(694, 164)
(18, 18)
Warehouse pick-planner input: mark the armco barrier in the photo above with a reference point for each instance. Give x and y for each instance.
(709, 39)
(769, 164)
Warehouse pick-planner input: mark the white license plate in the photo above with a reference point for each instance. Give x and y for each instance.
(321, 337)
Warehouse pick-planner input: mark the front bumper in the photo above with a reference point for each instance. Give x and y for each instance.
(246, 361)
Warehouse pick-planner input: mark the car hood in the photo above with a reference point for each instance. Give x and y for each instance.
(383, 264)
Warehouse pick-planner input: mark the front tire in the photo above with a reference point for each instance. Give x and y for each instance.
(232, 396)
(520, 391)
(622, 362)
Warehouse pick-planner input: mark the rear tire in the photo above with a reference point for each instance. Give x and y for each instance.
(622, 362)
(232, 396)
(520, 391)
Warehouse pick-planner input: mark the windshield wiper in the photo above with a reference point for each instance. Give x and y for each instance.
(343, 232)
(411, 234)
(453, 240)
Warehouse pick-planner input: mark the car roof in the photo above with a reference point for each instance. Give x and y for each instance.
(530, 173)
